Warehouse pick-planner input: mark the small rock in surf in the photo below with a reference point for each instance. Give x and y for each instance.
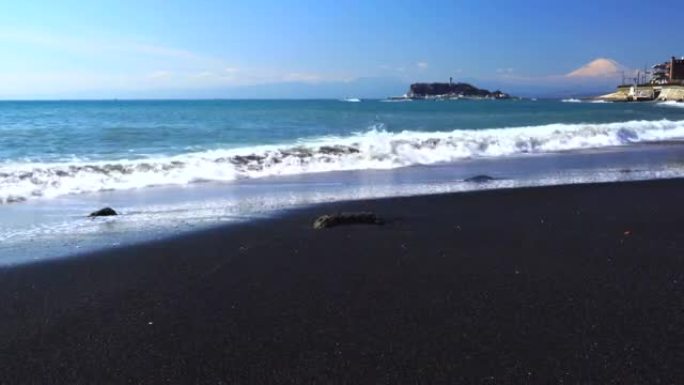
(105, 212)
(353, 218)
(480, 179)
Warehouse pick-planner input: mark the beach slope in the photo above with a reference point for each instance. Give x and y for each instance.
(568, 284)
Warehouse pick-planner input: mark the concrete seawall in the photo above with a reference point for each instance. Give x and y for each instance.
(646, 93)
(672, 93)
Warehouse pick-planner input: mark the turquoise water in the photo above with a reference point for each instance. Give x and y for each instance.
(175, 166)
(113, 130)
(50, 149)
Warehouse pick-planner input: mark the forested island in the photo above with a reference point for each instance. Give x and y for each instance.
(450, 91)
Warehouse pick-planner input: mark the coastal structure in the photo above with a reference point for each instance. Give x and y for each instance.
(666, 84)
(669, 72)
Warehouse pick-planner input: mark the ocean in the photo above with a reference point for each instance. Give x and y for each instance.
(175, 166)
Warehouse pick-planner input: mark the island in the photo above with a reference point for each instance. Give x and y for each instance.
(449, 91)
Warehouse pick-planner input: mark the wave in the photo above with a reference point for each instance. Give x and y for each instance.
(396, 100)
(671, 103)
(373, 149)
(592, 101)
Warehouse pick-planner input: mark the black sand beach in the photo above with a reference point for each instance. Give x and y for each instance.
(571, 284)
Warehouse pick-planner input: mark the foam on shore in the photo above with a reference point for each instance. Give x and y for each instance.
(373, 149)
(671, 103)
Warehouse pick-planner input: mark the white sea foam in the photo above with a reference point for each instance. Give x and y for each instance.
(399, 100)
(69, 234)
(671, 103)
(571, 100)
(373, 149)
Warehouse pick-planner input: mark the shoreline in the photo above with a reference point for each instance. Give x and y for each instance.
(573, 283)
(41, 229)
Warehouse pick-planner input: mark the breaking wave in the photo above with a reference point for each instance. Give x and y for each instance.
(590, 101)
(671, 103)
(373, 149)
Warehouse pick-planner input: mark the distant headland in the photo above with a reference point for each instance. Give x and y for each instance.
(449, 91)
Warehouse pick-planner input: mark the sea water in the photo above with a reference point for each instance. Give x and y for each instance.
(173, 166)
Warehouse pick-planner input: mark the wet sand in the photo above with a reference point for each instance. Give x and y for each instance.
(569, 284)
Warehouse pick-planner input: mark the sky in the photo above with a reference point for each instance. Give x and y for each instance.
(105, 49)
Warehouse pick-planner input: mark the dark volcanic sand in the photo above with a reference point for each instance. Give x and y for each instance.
(573, 284)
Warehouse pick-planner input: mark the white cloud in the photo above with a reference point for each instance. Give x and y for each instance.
(160, 75)
(302, 77)
(115, 65)
(90, 46)
(504, 70)
(203, 74)
(422, 65)
(392, 68)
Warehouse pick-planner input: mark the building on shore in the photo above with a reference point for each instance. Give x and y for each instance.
(666, 83)
(670, 72)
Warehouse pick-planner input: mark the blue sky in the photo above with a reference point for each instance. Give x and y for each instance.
(269, 48)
